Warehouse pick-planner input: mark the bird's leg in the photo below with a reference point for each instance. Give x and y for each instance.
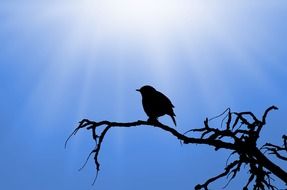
(153, 120)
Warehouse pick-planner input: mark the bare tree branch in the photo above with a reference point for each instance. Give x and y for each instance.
(240, 136)
(279, 151)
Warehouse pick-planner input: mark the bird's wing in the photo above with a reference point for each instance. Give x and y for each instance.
(163, 99)
(164, 104)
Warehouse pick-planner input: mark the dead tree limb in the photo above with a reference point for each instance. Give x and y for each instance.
(279, 151)
(239, 135)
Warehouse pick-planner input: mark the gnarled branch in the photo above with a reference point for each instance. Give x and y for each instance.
(240, 135)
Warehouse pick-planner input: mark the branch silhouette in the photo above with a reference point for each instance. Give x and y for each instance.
(239, 136)
(279, 151)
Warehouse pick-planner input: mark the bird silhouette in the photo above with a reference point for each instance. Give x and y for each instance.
(156, 104)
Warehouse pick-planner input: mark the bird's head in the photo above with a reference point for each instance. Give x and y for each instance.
(146, 89)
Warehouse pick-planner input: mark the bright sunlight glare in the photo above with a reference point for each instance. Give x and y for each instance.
(130, 36)
(134, 18)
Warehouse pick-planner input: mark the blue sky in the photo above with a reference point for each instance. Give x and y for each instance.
(61, 61)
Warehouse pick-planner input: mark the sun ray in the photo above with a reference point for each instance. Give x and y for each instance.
(99, 35)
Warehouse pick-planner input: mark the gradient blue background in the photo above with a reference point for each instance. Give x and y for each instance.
(62, 61)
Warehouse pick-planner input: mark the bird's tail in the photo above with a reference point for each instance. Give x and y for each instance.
(173, 119)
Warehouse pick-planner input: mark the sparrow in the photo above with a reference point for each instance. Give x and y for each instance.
(156, 104)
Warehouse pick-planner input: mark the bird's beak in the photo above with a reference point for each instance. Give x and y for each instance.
(138, 90)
